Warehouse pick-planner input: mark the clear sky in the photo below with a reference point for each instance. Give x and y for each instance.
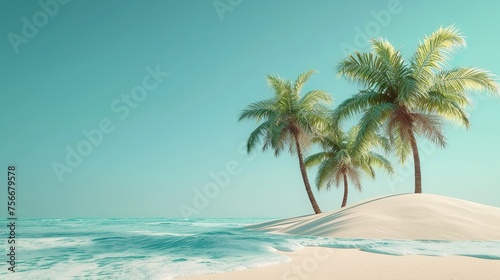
(157, 87)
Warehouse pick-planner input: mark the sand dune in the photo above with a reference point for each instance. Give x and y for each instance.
(404, 216)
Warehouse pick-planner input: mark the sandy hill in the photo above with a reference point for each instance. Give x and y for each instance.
(404, 216)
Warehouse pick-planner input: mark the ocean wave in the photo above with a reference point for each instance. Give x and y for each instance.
(150, 233)
(28, 244)
(151, 249)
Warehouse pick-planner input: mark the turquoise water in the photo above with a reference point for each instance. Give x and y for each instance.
(168, 248)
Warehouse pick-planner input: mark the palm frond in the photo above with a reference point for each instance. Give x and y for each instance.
(392, 61)
(279, 85)
(259, 110)
(313, 97)
(380, 161)
(447, 105)
(433, 52)
(401, 148)
(356, 104)
(372, 120)
(327, 174)
(316, 159)
(365, 69)
(461, 79)
(429, 126)
(280, 137)
(365, 165)
(355, 177)
(257, 135)
(315, 120)
(301, 80)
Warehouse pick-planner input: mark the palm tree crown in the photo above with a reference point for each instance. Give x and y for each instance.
(344, 159)
(288, 120)
(410, 99)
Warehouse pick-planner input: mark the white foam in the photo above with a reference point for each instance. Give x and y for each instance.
(480, 249)
(151, 233)
(50, 242)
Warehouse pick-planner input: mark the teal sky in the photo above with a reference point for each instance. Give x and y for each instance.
(79, 67)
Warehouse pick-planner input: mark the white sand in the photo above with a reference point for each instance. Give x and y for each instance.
(407, 216)
(316, 263)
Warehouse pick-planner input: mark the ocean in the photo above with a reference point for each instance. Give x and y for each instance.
(168, 248)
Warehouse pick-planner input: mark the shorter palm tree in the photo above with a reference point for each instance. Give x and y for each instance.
(345, 157)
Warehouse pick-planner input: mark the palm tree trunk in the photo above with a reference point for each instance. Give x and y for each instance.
(416, 159)
(304, 177)
(346, 191)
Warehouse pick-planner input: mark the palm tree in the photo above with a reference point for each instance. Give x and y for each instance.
(410, 99)
(344, 159)
(288, 120)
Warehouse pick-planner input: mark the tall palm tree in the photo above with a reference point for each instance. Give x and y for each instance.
(288, 120)
(343, 159)
(410, 99)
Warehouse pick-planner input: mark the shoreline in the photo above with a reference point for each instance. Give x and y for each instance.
(320, 263)
(423, 218)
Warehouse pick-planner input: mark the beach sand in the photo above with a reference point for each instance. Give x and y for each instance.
(318, 263)
(404, 217)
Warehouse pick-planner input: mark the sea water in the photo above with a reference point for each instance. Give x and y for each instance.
(169, 248)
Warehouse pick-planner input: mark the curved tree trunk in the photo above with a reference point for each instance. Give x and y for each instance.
(346, 191)
(416, 159)
(305, 179)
